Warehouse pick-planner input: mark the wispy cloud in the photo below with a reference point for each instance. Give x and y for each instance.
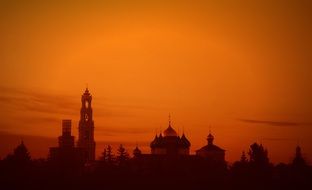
(275, 123)
(27, 100)
(40, 112)
(278, 139)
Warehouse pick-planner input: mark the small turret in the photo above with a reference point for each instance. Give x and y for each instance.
(210, 139)
(154, 142)
(185, 141)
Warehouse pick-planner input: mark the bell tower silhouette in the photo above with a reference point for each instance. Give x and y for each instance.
(86, 127)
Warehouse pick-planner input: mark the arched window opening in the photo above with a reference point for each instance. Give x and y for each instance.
(86, 104)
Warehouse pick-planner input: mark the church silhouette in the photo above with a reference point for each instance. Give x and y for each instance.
(164, 145)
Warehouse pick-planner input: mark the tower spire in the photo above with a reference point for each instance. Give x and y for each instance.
(87, 88)
(210, 138)
(86, 127)
(169, 119)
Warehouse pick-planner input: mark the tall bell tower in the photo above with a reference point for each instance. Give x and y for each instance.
(86, 127)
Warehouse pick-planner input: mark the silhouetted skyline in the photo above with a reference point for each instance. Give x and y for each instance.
(242, 68)
(86, 136)
(166, 142)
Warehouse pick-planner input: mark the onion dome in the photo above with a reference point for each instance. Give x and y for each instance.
(160, 137)
(210, 146)
(210, 139)
(170, 132)
(185, 141)
(155, 141)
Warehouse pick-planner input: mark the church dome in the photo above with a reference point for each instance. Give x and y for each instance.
(170, 132)
(185, 141)
(210, 138)
(154, 142)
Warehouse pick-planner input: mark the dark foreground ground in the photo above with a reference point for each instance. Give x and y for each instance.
(44, 176)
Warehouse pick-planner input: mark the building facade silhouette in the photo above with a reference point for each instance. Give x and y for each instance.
(66, 153)
(211, 151)
(170, 143)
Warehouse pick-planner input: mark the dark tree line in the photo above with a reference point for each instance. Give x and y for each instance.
(120, 171)
(109, 158)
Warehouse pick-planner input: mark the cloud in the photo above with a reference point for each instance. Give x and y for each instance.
(40, 112)
(274, 123)
(42, 119)
(278, 139)
(27, 100)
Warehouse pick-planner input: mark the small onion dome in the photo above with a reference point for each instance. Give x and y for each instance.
(160, 137)
(184, 141)
(170, 132)
(137, 151)
(154, 142)
(210, 139)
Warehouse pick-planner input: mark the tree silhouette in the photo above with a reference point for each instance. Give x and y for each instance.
(240, 168)
(243, 158)
(103, 157)
(109, 156)
(260, 169)
(258, 155)
(122, 155)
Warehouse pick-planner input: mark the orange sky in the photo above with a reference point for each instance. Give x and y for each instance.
(244, 68)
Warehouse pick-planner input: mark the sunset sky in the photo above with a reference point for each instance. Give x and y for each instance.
(242, 67)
